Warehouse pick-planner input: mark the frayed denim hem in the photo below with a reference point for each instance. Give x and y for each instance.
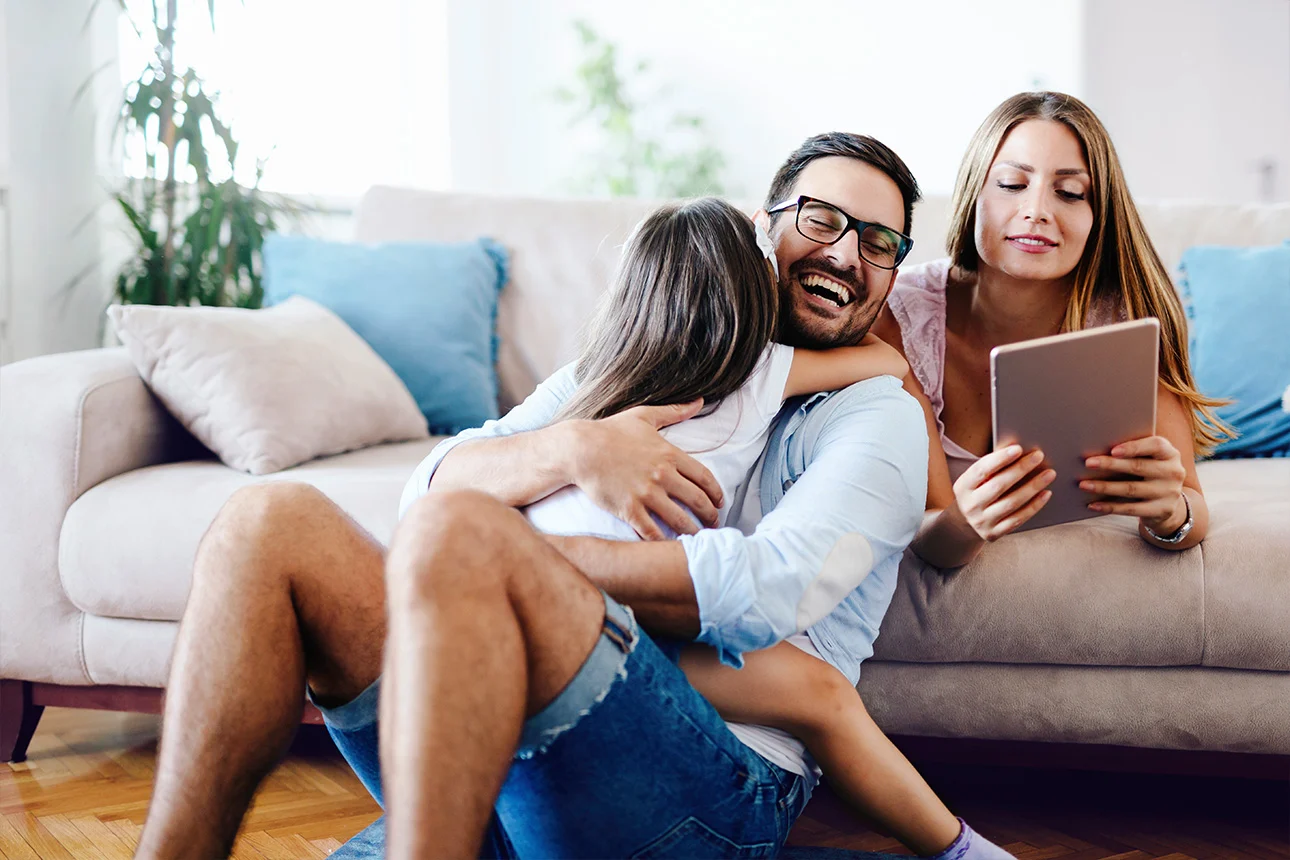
(604, 666)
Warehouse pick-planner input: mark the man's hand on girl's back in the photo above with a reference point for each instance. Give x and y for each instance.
(627, 468)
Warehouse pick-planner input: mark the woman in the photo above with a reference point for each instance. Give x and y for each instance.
(1044, 238)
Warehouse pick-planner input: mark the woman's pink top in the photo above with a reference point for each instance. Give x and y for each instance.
(918, 303)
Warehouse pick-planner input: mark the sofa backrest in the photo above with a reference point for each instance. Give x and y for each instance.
(563, 253)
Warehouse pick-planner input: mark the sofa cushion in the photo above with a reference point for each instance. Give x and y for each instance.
(267, 389)
(127, 545)
(428, 309)
(1090, 593)
(1095, 594)
(1238, 309)
(1247, 564)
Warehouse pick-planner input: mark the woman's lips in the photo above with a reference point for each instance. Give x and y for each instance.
(1032, 244)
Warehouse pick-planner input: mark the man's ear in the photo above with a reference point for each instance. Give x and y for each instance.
(762, 219)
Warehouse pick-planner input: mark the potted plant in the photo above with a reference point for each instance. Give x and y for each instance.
(632, 157)
(197, 231)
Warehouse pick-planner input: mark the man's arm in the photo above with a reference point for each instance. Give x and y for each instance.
(653, 578)
(621, 462)
(523, 430)
(516, 469)
(858, 502)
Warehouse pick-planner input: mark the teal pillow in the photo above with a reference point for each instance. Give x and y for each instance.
(1238, 307)
(428, 309)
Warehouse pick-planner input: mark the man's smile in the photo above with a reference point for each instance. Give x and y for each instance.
(826, 289)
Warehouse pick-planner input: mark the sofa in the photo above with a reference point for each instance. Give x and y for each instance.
(1077, 643)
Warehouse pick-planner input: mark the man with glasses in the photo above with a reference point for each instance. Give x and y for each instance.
(523, 706)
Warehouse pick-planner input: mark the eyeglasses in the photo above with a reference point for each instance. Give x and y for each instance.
(825, 223)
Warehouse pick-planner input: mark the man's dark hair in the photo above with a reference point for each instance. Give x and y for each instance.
(847, 145)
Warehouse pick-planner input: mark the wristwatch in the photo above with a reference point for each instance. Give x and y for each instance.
(1183, 530)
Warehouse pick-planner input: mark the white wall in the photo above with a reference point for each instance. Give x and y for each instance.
(898, 71)
(336, 95)
(1195, 93)
(55, 150)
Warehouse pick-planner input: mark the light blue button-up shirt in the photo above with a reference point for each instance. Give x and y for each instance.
(842, 482)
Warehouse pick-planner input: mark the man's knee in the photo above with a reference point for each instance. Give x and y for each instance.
(268, 505)
(460, 535)
(260, 520)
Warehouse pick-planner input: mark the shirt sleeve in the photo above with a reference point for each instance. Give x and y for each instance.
(856, 505)
(537, 411)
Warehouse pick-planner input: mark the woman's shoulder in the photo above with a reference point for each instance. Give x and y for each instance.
(917, 299)
(930, 277)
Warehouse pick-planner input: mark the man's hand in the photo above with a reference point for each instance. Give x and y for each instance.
(628, 469)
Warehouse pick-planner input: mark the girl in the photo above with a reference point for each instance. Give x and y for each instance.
(696, 296)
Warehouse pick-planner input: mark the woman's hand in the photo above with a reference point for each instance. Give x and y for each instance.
(991, 496)
(1155, 497)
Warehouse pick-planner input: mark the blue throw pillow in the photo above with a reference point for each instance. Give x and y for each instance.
(1238, 306)
(428, 309)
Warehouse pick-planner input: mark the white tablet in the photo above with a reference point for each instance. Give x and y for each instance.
(1074, 396)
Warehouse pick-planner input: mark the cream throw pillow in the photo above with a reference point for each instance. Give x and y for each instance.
(268, 389)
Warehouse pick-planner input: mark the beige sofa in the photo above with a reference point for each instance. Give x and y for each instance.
(1076, 635)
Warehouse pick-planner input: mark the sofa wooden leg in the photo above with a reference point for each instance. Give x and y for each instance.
(18, 719)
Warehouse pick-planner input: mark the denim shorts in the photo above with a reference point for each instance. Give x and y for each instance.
(628, 761)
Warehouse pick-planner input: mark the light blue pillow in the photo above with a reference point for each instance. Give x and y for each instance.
(428, 309)
(1238, 306)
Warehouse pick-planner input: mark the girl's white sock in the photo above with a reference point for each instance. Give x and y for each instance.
(972, 846)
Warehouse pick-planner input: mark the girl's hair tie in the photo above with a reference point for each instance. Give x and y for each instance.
(767, 246)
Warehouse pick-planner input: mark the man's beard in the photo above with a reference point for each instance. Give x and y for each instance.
(799, 332)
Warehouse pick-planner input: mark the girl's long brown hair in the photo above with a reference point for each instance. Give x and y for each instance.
(1119, 261)
(691, 309)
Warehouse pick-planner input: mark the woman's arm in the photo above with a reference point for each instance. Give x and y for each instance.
(991, 499)
(945, 538)
(940, 491)
(1165, 468)
(830, 369)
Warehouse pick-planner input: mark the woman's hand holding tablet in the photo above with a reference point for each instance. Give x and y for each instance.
(1084, 401)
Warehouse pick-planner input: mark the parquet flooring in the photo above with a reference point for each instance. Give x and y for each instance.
(83, 793)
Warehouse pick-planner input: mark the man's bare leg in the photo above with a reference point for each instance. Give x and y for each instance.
(286, 588)
(487, 625)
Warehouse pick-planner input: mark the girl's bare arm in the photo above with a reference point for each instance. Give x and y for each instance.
(830, 369)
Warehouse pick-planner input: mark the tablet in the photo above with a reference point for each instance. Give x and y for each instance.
(1074, 396)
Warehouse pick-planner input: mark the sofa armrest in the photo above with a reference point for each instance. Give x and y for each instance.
(67, 422)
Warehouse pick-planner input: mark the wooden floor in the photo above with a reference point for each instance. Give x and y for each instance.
(83, 793)
(1073, 815)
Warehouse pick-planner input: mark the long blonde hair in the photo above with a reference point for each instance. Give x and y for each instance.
(1119, 261)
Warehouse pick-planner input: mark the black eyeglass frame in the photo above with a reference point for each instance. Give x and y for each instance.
(856, 224)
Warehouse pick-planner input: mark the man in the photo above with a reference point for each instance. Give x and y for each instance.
(521, 704)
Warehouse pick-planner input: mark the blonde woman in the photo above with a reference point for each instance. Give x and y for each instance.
(1044, 238)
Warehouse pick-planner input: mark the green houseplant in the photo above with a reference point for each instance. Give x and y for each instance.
(676, 160)
(197, 231)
